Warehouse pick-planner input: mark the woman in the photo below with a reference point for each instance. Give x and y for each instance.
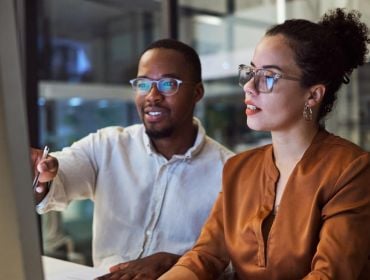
(299, 208)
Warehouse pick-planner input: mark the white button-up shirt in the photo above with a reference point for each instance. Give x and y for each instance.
(143, 203)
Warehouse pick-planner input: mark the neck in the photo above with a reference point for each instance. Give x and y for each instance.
(178, 143)
(290, 146)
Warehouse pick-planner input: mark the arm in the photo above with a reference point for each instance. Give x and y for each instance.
(150, 267)
(344, 245)
(75, 176)
(179, 273)
(208, 258)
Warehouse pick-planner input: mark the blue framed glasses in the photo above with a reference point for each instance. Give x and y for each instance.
(264, 79)
(166, 86)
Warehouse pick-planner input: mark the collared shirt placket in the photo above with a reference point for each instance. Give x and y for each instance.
(156, 203)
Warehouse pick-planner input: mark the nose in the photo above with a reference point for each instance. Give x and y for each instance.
(154, 94)
(250, 88)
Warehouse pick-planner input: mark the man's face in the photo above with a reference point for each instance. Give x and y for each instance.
(164, 116)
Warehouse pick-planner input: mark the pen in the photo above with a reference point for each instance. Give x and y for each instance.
(44, 155)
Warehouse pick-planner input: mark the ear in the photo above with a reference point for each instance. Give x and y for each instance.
(316, 95)
(198, 91)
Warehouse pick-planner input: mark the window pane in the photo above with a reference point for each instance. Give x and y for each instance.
(225, 34)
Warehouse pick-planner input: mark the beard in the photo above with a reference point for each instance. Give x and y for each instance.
(159, 134)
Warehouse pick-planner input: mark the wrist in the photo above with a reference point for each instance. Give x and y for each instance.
(41, 190)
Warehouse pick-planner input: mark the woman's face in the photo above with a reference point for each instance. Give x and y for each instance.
(282, 108)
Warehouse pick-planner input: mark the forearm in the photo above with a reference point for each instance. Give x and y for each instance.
(316, 276)
(179, 273)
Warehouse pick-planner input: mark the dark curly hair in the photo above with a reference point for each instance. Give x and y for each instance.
(327, 51)
(191, 56)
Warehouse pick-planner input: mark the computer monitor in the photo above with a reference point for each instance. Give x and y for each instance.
(20, 254)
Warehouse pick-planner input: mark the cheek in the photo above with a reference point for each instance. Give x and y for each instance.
(283, 103)
(273, 103)
(139, 101)
(182, 107)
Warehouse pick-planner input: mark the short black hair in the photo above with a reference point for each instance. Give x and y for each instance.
(191, 56)
(327, 51)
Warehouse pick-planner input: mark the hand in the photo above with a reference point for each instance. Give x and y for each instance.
(148, 268)
(48, 169)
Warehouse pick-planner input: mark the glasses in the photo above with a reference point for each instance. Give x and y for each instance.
(264, 79)
(166, 86)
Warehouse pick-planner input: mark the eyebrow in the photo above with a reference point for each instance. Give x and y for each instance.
(170, 75)
(268, 66)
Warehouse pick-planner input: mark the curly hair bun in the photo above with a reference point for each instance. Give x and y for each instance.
(352, 36)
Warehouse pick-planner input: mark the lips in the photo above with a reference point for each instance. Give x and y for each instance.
(251, 109)
(154, 114)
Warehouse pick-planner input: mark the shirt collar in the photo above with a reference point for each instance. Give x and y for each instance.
(192, 151)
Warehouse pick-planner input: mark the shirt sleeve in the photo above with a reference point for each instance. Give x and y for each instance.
(209, 256)
(76, 175)
(344, 246)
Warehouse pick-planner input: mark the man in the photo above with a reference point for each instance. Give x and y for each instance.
(153, 184)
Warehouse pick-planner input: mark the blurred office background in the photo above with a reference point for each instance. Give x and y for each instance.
(81, 54)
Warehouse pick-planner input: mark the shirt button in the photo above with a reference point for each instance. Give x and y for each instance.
(148, 232)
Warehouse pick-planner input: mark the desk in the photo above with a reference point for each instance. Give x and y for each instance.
(55, 269)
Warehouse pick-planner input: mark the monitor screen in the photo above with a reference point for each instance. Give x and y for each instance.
(20, 254)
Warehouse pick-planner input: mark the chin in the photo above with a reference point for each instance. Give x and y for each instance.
(254, 125)
(159, 133)
(259, 128)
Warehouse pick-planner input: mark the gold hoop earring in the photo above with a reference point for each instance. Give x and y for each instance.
(307, 112)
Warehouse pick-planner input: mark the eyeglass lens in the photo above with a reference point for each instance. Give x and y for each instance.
(166, 86)
(263, 79)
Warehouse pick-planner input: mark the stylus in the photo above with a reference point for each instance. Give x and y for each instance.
(44, 156)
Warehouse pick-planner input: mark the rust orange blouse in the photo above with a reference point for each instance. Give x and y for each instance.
(322, 228)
